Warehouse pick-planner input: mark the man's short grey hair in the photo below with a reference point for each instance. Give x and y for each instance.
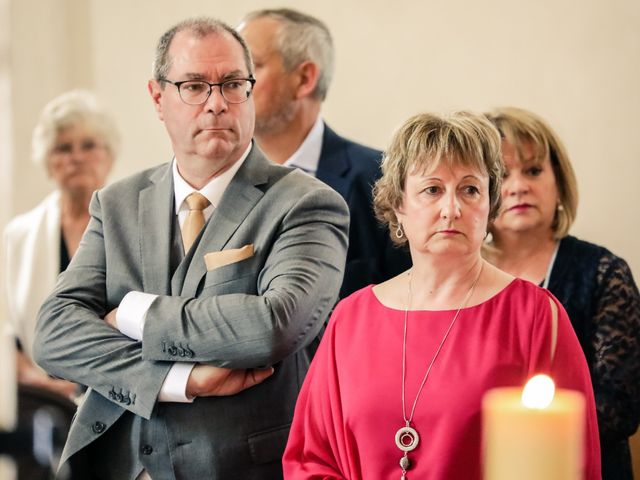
(302, 38)
(200, 27)
(77, 108)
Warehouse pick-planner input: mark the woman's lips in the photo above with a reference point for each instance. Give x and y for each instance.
(521, 207)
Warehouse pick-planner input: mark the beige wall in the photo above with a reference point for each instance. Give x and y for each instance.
(577, 63)
(574, 62)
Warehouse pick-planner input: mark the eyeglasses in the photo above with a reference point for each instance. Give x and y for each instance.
(85, 146)
(196, 92)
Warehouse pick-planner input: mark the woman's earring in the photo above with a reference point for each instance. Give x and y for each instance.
(399, 232)
(560, 207)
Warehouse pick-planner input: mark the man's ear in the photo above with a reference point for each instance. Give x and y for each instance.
(308, 74)
(156, 92)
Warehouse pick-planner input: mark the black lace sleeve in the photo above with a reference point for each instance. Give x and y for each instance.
(616, 372)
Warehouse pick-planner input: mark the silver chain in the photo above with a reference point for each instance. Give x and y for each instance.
(444, 338)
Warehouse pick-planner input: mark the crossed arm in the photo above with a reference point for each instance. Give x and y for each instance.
(208, 381)
(297, 286)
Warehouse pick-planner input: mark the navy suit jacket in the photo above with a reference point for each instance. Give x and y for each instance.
(351, 169)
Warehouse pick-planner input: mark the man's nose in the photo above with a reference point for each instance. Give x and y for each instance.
(216, 103)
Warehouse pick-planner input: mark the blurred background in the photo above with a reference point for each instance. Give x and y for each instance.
(576, 63)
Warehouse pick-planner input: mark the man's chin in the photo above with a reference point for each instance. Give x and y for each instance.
(217, 150)
(214, 141)
(270, 126)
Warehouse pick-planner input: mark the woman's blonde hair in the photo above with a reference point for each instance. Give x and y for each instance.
(426, 140)
(518, 127)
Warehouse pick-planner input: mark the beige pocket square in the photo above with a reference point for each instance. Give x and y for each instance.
(215, 260)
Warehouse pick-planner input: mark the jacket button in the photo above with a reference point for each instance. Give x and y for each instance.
(147, 450)
(98, 427)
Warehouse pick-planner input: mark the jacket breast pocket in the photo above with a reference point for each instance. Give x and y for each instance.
(233, 278)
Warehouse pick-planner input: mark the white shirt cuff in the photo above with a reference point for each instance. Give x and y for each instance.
(174, 388)
(132, 313)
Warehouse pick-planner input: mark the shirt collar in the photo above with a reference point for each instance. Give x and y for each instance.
(212, 190)
(307, 156)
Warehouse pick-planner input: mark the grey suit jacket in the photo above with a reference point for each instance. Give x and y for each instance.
(265, 310)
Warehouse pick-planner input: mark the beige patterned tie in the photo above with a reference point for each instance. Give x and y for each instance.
(195, 219)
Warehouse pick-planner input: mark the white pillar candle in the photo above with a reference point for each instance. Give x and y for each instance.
(533, 442)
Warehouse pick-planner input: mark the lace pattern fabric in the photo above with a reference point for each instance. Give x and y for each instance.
(601, 297)
(616, 370)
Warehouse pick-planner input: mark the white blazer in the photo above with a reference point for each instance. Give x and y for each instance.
(32, 255)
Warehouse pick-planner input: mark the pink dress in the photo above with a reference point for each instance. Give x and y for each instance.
(350, 405)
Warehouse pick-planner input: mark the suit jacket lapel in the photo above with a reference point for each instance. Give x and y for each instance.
(155, 215)
(334, 162)
(238, 200)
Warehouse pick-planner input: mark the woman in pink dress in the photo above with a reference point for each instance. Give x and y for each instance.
(396, 386)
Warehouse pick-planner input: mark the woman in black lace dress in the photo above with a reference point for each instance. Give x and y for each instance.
(530, 239)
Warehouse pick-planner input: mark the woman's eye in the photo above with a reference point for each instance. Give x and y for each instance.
(533, 171)
(63, 148)
(89, 145)
(432, 190)
(471, 190)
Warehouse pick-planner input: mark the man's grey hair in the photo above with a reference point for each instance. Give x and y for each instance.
(200, 27)
(302, 38)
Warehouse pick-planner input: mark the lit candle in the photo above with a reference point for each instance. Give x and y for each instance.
(533, 434)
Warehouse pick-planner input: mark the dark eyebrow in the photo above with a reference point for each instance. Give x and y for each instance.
(227, 76)
(233, 74)
(195, 76)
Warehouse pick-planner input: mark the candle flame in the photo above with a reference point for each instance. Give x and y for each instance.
(538, 392)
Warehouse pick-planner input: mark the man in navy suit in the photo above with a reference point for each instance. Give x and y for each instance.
(294, 58)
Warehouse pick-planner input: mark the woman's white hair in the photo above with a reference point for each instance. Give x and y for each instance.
(74, 108)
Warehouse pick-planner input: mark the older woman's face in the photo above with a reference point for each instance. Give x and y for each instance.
(445, 211)
(529, 192)
(79, 160)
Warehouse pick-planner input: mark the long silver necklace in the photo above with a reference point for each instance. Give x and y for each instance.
(407, 437)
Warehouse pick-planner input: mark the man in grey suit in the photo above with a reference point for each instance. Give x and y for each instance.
(151, 322)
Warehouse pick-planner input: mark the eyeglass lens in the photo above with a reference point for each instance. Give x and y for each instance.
(197, 92)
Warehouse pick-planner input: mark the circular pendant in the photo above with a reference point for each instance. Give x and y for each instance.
(407, 439)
